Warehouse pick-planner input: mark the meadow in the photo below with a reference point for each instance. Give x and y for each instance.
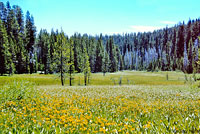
(127, 78)
(143, 102)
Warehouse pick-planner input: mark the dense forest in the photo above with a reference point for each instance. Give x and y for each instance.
(24, 50)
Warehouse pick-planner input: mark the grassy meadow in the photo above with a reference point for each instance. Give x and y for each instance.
(127, 77)
(144, 102)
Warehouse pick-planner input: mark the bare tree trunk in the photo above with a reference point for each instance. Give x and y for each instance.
(70, 69)
(62, 81)
(88, 78)
(27, 63)
(85, 79)
(70, 78)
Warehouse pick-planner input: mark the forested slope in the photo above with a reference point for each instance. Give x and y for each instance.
(24, 51)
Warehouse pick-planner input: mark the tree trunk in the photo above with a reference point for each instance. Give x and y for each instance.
(70, 78)
(85, 79)
(70, 68)
(88, 78)
(62, 80)
(61, 72)
(70, 81)
(27, 64)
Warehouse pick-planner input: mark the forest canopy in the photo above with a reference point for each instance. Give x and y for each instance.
(22, 50)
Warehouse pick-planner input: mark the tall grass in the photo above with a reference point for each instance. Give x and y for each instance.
(101, 109)
(17, 90)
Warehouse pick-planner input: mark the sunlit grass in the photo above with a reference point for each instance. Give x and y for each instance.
(127, 77)
(149, 103)
(104, 109)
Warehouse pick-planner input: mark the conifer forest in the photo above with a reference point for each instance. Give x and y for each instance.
(52, 81)
(24, 51)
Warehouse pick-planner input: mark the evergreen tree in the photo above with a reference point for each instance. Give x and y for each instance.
(77, 52)
(11, 57)
(44, 53)
(195, 31)
(3, 13)
(99, 55)
(71, 61)
(173, 50)
(188, 33)
(30, 34)
(5, 56)
(106, 63)
(92, 53)
(20, 18)
(164, 49)
(185, 60)
(112, 55)
(180, 42)
(190, 57)
(119, 60)
(61, 56)
(198, 61)
(52, 41)
(18, 36)
(86, 67)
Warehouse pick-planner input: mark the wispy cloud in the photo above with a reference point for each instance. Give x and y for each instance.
(144, 28)
(168, 22)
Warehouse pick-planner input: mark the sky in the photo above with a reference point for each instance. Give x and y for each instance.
(108, 16)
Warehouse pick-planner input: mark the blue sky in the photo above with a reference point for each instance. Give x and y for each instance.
(108, 16)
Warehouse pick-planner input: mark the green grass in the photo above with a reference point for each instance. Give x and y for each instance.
(146, 102)
(128, 78)
(100, 109)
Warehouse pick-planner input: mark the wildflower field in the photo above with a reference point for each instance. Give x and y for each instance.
(27, 107)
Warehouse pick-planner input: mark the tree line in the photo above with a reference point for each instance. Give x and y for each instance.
(24, 51)
(167, 49)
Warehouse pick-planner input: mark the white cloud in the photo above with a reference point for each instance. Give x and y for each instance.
(144, 28)
(168, 22)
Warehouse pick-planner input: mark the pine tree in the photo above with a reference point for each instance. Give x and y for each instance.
(173, 50)
(20, 18)
(12, 32)
(35, 61)
(20, 56)
(11, 57)
(5, 56)
(43, 44)
(185, 60)
(52, 41)
(119, 60)
(61, 56)
(198, 61)
(195, 31)
(71, 61)
(18, 37)
(3, 12)
(180, 42)
(112, 55)
(92, 53)
(77, 52)
(188, 33)
(99, 55)
(30, 35)
(190, 57)
(168, 45)
(86, 67)
(106, 63)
